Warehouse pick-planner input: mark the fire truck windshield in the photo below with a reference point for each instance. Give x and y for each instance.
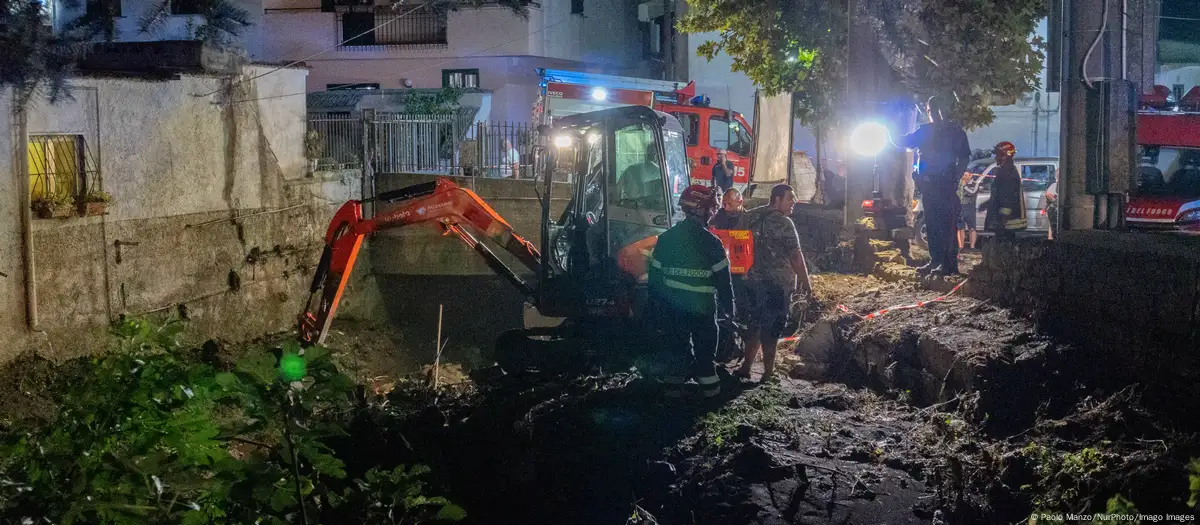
(1168, 171)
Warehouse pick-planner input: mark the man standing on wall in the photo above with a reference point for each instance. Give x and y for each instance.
(944, 155)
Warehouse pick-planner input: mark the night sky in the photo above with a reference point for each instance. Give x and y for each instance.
(1172, 28)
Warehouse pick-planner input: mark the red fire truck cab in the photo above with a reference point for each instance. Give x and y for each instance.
(708, 129)
(1166, 191)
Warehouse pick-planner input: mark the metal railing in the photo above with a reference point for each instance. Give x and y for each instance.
(337, 142)
(60, 168)
(389, 28)
(446, 144)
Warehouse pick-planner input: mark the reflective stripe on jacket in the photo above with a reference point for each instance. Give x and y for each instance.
(688, 268)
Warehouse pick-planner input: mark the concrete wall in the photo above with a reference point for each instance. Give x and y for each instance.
(12, 282)
(1135, 298)
(424, 251)
(213, 215)
(172, 27)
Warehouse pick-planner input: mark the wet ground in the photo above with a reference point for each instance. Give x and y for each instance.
(953, 412)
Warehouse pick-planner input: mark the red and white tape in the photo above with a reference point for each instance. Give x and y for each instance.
(917, 304)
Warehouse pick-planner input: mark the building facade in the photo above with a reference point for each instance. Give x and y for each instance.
(381, 45)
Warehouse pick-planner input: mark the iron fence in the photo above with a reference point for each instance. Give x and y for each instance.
(334, 140)
(426, 27)
(61, 168)
(445, 144)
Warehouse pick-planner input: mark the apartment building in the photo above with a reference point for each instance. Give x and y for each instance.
(380, 44)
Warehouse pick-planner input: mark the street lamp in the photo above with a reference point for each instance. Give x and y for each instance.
(869, 139)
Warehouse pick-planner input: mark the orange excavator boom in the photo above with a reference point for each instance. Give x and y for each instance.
(453, 209)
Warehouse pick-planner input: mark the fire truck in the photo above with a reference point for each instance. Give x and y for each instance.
(1166, 193)
(707, 128)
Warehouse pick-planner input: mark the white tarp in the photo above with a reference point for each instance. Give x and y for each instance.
(773, 139)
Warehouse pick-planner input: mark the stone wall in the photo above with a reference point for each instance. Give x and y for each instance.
(213, 216)
(1134, 297)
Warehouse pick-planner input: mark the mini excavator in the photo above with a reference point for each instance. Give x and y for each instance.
(625, 168)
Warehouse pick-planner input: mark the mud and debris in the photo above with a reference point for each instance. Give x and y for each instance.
(957, 411)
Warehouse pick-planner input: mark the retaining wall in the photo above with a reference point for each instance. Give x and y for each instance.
(1134, 297)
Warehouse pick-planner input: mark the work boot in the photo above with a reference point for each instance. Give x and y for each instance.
(921, 270)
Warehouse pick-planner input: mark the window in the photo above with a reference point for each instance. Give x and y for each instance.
(726, 135)
(655, 36)
(360, 85)
(577, 7)
(460, 78)
(677, 165)
(1036, 177)
(691, 127)
(638, 169)
(56, 166)
(104, 8)
(1169, 171)
(186, 7)
(426, 27)
(357, 29)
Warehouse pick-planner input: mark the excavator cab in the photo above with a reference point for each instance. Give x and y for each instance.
(626, 167)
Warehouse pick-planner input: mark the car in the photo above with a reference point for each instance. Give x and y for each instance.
(1037, 174)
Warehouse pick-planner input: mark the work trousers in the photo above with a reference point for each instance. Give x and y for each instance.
(942, 210)
(691, 345)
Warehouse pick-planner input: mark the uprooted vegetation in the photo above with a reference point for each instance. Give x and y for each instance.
(155, 433)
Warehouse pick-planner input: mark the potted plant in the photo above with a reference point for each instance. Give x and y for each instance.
(313, 148)
(94, 202)
(52, 206)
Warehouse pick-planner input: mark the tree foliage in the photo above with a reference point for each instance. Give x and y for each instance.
(151, 434)
(33, 59)
(976, 52)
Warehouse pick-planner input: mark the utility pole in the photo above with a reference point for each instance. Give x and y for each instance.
(1104, 67)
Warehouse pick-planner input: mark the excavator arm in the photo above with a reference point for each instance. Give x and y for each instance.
(454, 210)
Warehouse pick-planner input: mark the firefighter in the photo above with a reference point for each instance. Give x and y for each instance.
(944, 154)
(1006, 205)
(688, 276)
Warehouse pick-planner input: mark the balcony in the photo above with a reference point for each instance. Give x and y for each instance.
(391, 29)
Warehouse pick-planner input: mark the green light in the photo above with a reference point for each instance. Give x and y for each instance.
(292, 367)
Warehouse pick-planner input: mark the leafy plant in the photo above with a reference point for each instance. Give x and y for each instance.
(314, 145)
(150, 434)
(51, 203)
(1194, 482)
(97, 196)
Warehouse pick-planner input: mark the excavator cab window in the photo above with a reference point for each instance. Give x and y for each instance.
(638, 197)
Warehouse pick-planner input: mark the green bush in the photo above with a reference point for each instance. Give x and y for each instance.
(151, 435)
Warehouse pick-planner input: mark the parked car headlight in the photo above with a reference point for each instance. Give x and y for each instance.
(1189, 216)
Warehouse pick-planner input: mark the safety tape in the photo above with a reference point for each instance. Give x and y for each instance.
(917, 304)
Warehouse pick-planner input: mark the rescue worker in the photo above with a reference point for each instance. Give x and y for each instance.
(1006, 205)
(778, 272)
(944, 153)
(687, 278)
(732, 208)
(722, 172)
